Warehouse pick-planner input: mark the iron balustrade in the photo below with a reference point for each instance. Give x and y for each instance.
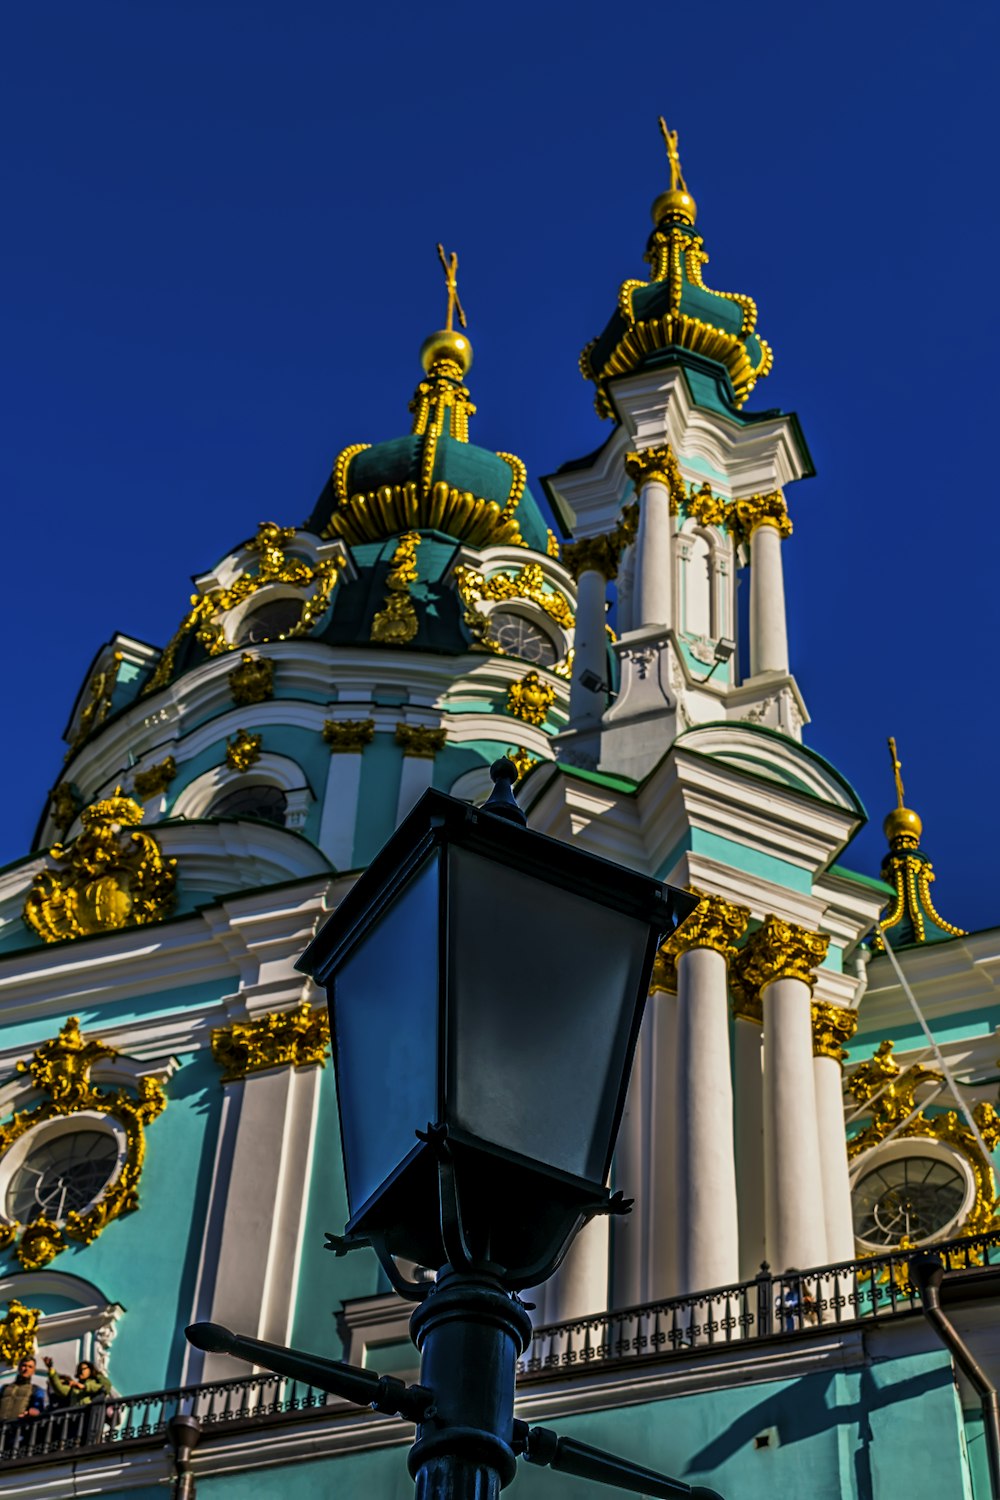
(855, 1293)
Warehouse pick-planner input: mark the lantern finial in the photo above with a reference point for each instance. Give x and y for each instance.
(502, 802)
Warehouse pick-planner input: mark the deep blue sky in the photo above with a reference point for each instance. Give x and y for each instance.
(218, 265)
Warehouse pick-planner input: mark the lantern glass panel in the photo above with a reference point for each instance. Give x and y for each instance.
(385, 1031)
(543, 987)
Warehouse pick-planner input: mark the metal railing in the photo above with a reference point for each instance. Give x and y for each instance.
(861, 1291)
(122, 1420)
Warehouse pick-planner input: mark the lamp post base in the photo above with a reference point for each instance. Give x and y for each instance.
(470, 1332)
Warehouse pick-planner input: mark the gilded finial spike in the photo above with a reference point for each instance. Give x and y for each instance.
(673, 156)
(897, 771)
(450, 263)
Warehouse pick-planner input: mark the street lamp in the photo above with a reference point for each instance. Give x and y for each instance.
(486, 985)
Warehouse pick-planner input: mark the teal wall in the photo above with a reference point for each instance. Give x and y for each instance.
(889, 1430)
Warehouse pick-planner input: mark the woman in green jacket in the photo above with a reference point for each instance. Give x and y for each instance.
(81, 1389)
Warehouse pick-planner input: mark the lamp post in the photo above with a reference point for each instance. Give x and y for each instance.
(486, 985)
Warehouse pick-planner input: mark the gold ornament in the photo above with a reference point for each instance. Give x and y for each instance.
(657, 466)
(777, 950)
(522, 760)
(551, 543)
(705, 508)
(243, 750)
(156, 780)
(908, 870)
(396, 622)
(18, 1331)
(833, 1026)
(112, 878)
(274, 566)
(61, 1069)
(890, 1092)
(745, 515)
(98, 706)
(252, 681)
(714, 923)
(348, 736)
(66, 802)
(527, 583)
(420, 742)
(293, 1038)
(530, 699)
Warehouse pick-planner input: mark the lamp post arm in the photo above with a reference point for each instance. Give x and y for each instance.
(542, 1446)
(383, 1393)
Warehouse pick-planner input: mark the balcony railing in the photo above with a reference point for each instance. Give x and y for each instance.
(858, 1292)
(861, 1291)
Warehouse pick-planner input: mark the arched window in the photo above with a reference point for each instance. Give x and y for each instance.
(256, 799)
(269, 622)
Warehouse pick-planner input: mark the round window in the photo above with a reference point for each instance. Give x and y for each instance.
(271, 622)
(516, 635)
(62, 1173)
(268, 803)
(915, 1196)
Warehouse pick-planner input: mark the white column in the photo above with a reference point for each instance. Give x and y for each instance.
(793, 1168)
(580, 1286)
(416, 776)
(340, 809)
(263, 1215)
(664, 1204)
(749, 1132)
(629, 1254)
(839, 1217)
(768, 629)
(708, 1248)
(653, 599)
(589, 650)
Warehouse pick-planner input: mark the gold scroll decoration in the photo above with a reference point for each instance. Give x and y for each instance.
(156, 780)
(777, 950)
(18, 1332)
(114, 875)
(98, 705)
(714, 923)
(60, 1069)
(833, 1026)
(395, 624)
(243, 750)
(252, 681)
(294, 1038)
(530, 699)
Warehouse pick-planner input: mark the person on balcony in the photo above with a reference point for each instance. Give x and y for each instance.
(87, 1388)
(21, 1397)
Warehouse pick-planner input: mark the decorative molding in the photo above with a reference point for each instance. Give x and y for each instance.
(348, 736)
(890, 1092)
(18, 1333)
(530, 699)
(151, 783)
(295, 1038)
(96, 710)
(420, 741)
(746, 514)
(252, 681)
(243, 750)
(777, 950)
(65, 802)
(657, 466)
(602, 554)
(715, 923)
(833, 1027)
(61, 1069)
(705, 508)
(522, 760)
(528, 583)
(112, 878)
(396, 622)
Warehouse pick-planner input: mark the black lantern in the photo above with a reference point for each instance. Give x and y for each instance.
(486, 985)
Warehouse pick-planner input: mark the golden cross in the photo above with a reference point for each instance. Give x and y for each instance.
(673, 156)
(450, 264)
(896, 771)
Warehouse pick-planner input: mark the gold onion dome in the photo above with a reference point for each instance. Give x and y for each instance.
(675, 317)
(433, 479)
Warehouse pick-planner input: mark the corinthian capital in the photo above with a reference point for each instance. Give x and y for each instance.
(714, 924)
(833, 1027)
(599, 554)
(777, 950)
(657, 466)
(761, 510)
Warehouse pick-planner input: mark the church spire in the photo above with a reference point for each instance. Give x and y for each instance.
(441, 402)
(911, 917)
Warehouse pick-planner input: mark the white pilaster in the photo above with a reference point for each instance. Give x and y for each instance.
(768, 628)
(586, 705)
(795, 1209)
(653, 597)
(749, 1133)
(417, 775)
(708, 1246)
(839, 1217)
(340, 809)
(580, 1286)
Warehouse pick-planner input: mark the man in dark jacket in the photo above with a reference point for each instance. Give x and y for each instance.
(21, 1397)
